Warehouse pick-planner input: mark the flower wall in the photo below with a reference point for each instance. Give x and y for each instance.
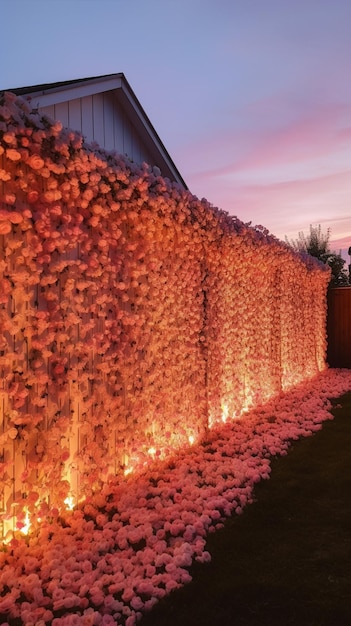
(133, 316)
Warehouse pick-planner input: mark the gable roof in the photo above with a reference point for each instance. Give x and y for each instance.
(48, 94)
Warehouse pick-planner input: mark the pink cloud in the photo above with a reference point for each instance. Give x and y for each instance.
(286, 208)
(303, 140)
(320, 132)
(344, 243)
(285, 177)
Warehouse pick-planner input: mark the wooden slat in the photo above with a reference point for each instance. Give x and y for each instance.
(61, 113)
(109, 139)
(98, 117)
(49, 110)
(339, 327)
(127, 139)
(87, 118)
(75, 115)
(118, 128)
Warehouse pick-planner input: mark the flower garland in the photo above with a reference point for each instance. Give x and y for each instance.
(126, 306)
(115, 556)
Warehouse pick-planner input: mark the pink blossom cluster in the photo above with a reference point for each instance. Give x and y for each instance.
(112, 559)
(126, 306)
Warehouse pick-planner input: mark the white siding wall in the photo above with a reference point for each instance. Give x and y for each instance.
(100, 118)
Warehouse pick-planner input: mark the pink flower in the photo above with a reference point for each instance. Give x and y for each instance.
(13, 155)
(136, 603)
(4, 175)
(35, 162)
(5, 227)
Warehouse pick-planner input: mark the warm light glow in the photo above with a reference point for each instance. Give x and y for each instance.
(152, 451)
(211, 421)
(92, 274)
(225, 413)
(8, 536)
(27, 524)
(69, 502)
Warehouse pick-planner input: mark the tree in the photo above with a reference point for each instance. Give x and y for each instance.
(317, 244)
(339, 276)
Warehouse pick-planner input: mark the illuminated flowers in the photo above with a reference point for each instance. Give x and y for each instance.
(134, 319)
(116, 555)
(35, 162)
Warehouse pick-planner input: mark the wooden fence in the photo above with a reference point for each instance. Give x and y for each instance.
(339, 327)
(133, 317)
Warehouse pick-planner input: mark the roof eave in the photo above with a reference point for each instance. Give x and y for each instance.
(54, 93)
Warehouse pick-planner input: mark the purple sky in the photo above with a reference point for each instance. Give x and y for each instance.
(252, 98)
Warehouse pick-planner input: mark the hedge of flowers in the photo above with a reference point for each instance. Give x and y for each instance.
(112, 559)
(133, 316)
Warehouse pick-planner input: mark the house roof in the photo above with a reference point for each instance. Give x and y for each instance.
(47, 94)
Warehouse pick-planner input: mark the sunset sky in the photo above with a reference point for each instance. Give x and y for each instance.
(252, 98)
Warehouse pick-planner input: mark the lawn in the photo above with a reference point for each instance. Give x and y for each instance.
(287, 559)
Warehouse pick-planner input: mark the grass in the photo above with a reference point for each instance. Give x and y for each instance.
(287, 559)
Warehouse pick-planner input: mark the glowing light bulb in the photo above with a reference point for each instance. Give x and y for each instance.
(225, 413)
(27, 524)
(69, 502)
(191, 439)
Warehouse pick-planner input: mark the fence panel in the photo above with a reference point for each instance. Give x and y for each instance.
(339, 327)
(133, 317)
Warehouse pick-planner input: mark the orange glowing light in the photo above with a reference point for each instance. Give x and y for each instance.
(69, 502)
(225, 413)
(237, 342)
(27, 524)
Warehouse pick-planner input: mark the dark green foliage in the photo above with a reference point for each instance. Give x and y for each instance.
(339, 275)
(317, 245)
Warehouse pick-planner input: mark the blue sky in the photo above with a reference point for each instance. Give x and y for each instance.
(252, 98)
